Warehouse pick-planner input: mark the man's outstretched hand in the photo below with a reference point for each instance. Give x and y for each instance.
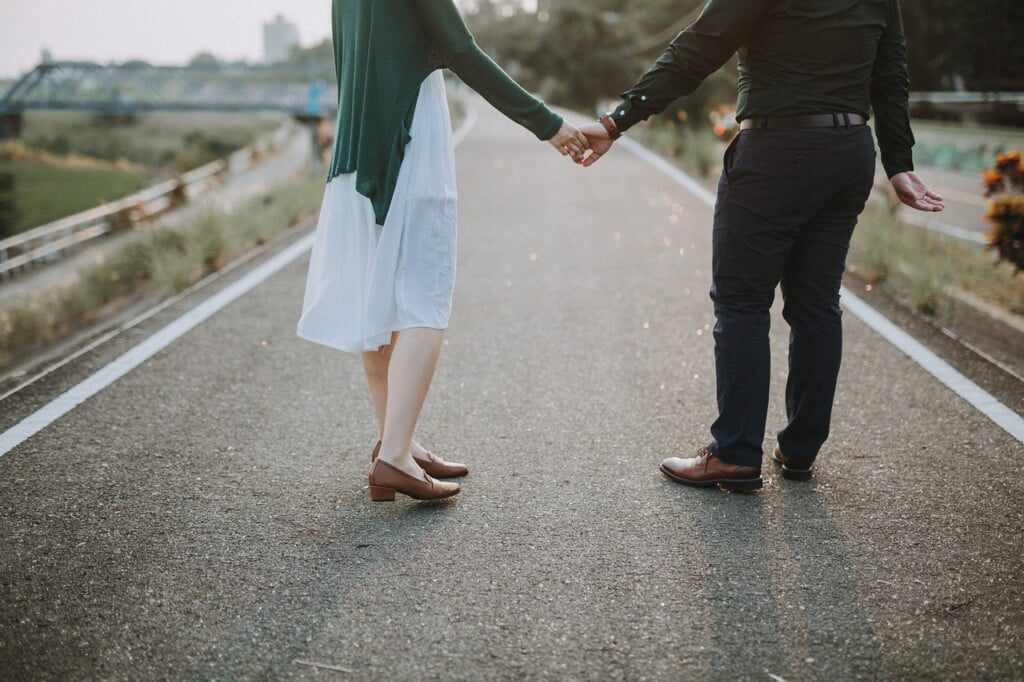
(912, 191)
(600, 142)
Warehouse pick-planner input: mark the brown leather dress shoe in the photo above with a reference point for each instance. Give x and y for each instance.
(386, 480)
(791, 471)
(435, 466)
(705, 470)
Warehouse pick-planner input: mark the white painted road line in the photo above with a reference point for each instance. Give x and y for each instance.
(75, 396)
(979, 398)
(926, 222)
(117, 368)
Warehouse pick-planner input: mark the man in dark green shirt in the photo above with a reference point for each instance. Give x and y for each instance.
(794, 182)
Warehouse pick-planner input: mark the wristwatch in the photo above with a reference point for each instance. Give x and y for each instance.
(609, 125)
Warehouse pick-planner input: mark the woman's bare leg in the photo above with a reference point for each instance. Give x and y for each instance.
(410, 370)
(375, 364)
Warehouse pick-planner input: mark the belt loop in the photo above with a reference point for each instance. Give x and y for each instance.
(764, 123)
(835, 120)
(847, 117)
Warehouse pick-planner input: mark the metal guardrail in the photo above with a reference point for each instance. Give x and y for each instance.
(53, 241)
(968, 98)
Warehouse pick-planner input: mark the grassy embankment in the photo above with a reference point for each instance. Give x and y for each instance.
(45, 192)
(67, 162)
(152, 264)
(924, 269)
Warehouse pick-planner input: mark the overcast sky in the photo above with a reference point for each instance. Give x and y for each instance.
(155, 30)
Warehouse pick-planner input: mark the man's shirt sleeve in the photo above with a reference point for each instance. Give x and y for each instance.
(890, 96)
(697, 52)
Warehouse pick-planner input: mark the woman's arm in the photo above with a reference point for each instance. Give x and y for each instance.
(458, 51)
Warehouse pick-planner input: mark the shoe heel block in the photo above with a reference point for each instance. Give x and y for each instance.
(796, 474)
(380, 494)
(743, 484)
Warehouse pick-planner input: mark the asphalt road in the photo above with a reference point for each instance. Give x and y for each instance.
(206, 516)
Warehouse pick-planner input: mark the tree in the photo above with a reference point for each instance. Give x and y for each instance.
(952, 43)
(204, 60)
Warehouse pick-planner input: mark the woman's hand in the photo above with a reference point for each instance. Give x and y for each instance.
(570, 142)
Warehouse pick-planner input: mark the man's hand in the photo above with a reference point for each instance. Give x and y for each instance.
(914, 193)
(570, 142)
(600, 142)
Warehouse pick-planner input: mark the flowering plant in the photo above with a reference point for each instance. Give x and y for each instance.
(1005, 185)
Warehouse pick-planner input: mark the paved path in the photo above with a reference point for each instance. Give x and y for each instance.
(206, 515)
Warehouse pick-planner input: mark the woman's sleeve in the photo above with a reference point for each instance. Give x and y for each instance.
(459, 52)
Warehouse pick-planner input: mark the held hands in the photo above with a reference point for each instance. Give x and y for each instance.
(570, 142)
(912, 191)
(600, 142)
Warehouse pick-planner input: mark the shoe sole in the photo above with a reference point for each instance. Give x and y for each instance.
(793, 474)
(726, 483)
(382, 494)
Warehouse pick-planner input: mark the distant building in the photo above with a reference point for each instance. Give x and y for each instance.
(280, 37)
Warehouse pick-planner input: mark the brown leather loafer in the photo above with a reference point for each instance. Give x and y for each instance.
(705, 470)
(435, 466)
(791, 471)
(386, 480)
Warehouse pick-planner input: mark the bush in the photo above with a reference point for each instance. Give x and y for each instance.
(1006, 211)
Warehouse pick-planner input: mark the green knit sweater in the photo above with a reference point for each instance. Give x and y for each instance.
(383, 50)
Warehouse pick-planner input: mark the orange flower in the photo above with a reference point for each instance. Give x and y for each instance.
(993, 180)
(1008, 160)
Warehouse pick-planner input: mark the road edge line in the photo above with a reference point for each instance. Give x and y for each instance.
(171, 332)
(983, 401)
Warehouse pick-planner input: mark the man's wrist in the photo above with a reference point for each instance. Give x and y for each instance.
(609, 125)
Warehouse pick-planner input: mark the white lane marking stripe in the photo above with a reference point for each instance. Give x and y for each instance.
(982, 400)
(924, 221)
(123, 364)
(70, 399)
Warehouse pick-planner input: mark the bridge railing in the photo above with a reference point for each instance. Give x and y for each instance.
(53, 241)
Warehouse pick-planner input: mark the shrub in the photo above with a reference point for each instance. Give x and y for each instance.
(1005, 212)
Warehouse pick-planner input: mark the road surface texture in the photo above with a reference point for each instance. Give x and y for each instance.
(206, 516)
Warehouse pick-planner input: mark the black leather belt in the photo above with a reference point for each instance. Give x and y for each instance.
(841, 120)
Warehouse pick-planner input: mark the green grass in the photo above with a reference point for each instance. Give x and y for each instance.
(178, 141)
(43, 192)
(154, 262)
(920, 268)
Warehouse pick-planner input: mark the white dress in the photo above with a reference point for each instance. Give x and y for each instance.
(366, 281)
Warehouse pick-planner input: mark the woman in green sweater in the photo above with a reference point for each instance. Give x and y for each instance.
(382, 271)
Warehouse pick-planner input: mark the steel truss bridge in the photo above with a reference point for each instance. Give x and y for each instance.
(137, 87)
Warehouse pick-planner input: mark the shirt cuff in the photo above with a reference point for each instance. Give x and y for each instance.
(630, 112)
(896, 164)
